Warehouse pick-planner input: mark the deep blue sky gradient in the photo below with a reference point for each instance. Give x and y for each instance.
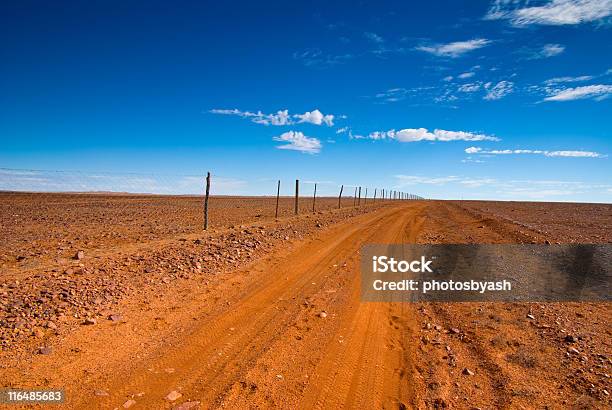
(128, 87)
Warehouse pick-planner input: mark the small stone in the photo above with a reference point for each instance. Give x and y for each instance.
(101, 393)
(286, 238)
(530, 316)
(455, 331)
(89, 321)
(573, 350)
(467, 372)
(115, 317)
(45, 350)
(570, 339)
(322, 314)
(129, 404)
(547, 242)
(173, 395)
(51, 325)
(79, 255)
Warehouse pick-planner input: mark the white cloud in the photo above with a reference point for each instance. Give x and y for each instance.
(469, 88)
(297, 141)
(422, 134)
(314, 57)
(553, 12)
(455, 49)
(567, 79)
(575, 154)
(499, 90)
(548, 50)
(342, 130)
(466, 75)
(280, 117)
(597, 91)
(316, 117)
(448, 78)
(373, 37)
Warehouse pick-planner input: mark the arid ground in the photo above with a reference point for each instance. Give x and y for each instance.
(258, 312)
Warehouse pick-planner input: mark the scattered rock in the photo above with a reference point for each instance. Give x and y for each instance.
(101, 393)
(570, 339)
(322, 314)
(51, 325)
(89, 321)
(79, 255)
(45, 350)
(573, 350)
(115, 317)
(455, 331)
(173, 395)
(129, 404)
(467, 372)
(530, 316)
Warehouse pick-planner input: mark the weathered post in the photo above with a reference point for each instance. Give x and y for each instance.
(359, 197)
(340, 196)
(374, 194)
(355, 197)
(277, 196)
(297, 195)
(206, 201)
(314, 198)
(365, 197)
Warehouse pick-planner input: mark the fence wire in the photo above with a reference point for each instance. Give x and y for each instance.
(142, 207)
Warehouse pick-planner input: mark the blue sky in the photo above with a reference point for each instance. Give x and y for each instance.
(480, 99)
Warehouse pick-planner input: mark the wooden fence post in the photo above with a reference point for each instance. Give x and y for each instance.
(359, 197)
(297, 195)
(314, 198)
(365, 197)
(206, 201)
(374, 194)
(277, 195)
(340, 196)
(355, 197)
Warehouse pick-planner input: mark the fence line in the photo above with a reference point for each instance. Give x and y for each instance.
(214, 200)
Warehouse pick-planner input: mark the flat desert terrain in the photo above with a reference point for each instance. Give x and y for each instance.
(124, 301)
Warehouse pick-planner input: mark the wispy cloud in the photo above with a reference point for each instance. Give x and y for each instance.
(567, 153)
(315, 58)
(596, 91)
(548, 50)
(480, 187)
(465, 75)
(455, 49)
(553, 12)
(282, 117)
(297, 141)
(567, 79)
(342, 130)
(499, 90)
(373, 37)
(422, 134)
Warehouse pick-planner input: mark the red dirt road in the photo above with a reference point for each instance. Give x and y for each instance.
(287, 329)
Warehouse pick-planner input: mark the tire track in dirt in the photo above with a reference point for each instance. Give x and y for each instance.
(213, 358)
(374, 365)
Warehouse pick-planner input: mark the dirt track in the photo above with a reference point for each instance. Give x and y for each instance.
(255, 336)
